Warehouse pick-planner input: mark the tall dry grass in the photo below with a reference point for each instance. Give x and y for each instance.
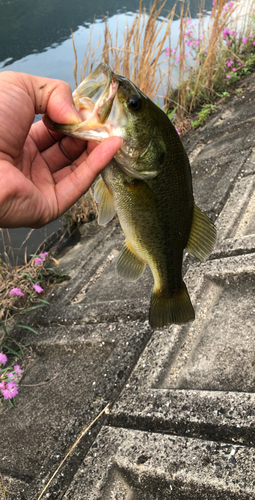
(189, 79)
(139, 55)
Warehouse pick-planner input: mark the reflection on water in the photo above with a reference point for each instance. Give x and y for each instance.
(32, 26)
(35, 38)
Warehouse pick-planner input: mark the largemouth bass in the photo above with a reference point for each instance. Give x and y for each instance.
(148, 184)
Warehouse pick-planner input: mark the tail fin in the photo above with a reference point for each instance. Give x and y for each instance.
(166, 309)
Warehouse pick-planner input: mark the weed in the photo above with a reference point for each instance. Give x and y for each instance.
(206, 110)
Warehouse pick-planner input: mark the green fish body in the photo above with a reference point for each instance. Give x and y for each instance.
(149, 186)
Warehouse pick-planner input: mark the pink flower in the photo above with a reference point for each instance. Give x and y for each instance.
(215, 69)
(244, 40)
(3, 358)
(234, 69)
(11, 390)
(228, 42)
(17, 291)
(38, 288)
(227, 76)
(17, 369)
(213, 3)
(2, 385)
(187, 88)
(254, 42)
(38, 261)
(177, 130)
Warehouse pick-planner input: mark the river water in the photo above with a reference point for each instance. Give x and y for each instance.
(35, 38)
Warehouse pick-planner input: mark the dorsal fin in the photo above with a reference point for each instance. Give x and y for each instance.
(106, 208)
(129, 266)
(202, 235)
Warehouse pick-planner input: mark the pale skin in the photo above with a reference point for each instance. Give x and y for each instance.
(42, 173)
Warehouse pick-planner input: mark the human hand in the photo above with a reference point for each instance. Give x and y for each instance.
(42, 173)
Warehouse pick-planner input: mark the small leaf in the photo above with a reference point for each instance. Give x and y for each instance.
(28, 275)
(28, 328)
(4, 328)
(41, 300)
(14, 352)
(170, 115)
(32, 308)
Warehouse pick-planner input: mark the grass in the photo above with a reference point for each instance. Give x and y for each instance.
(3, 490)
(209, 56)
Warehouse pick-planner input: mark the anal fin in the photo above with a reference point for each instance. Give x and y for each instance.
(202, 235)
(168, 308)
(129, 266)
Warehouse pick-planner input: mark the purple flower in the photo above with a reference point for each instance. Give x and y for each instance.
(38, 261)
(38, 288)
(11, 390)
(17, 291)
(17, 369)
(3, 358)
(244, 40)
(2, 385)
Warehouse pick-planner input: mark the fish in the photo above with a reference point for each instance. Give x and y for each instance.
(148, 184)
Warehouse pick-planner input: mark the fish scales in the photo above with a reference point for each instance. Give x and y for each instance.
(149, 185)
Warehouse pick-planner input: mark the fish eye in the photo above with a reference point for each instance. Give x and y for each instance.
(134, 102)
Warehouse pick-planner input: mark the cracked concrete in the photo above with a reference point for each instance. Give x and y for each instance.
(181, 422)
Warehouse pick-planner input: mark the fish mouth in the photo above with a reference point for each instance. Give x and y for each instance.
(96, 100)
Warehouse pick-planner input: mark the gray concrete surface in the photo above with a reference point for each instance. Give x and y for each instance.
(181, 423)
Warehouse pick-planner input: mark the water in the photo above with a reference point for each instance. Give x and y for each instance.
(35, 38)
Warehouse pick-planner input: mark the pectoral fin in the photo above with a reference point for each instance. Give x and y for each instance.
(202, 235)
(106, 208)
(129, 266)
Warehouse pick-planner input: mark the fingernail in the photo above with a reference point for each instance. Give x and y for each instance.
(75, 117)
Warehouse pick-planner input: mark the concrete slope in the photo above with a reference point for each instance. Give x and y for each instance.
(181, 423)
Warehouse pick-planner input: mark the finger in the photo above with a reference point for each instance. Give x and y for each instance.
(63, 153)
(42, 137)
(77, 182)
(21, 97)
(53, 97)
